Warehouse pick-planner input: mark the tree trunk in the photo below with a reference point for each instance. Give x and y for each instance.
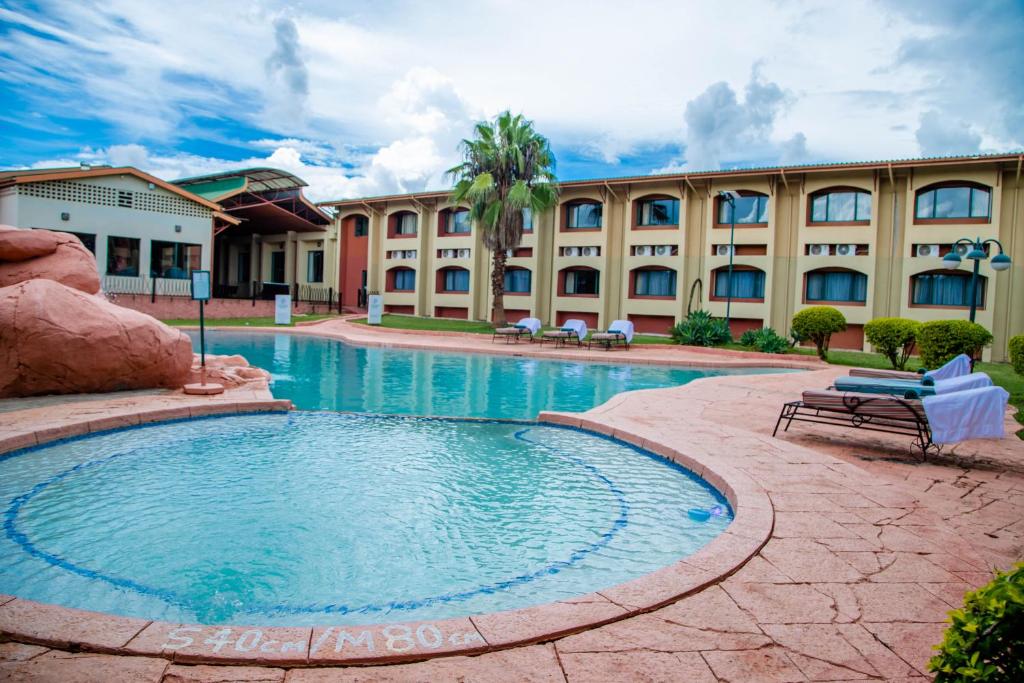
(498, 287)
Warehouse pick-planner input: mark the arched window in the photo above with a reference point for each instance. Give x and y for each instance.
(751, 209)
(956, 202)
(835, 285)
(843, 205)
(583, 215)
(402, 224)
(656, 211)
(454, 222)
(652, 282)
(747, 283)
(946, 288)
(518, 280)
(401, 279)
(579, 281)
(453, 280)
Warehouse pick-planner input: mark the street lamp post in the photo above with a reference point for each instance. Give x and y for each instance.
(730, 197)
(977, 254)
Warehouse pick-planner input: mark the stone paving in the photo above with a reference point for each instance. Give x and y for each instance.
(869, 551)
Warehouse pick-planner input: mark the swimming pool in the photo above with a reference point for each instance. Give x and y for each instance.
(326, 374)
(329, 518)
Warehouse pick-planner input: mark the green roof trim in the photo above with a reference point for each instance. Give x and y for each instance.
(216, 189)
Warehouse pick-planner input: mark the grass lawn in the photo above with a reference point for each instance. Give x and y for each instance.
(258, 321)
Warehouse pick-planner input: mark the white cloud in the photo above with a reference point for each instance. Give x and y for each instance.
(939, 135)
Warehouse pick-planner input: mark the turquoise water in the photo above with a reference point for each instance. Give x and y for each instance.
(324, 374)
(328, 518)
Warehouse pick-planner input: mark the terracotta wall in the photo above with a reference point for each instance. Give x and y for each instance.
(740, 325)
(353, 261)
(178, 307)
(589, 318)
(459, 312)
(655, 324)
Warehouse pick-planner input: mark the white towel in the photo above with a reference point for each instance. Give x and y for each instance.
(961, 365)
(975, 380)
(531, 324)
(623, 326)
(577, 326)
(970, 414)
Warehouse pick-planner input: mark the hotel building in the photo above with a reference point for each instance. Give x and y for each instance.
(867, 238)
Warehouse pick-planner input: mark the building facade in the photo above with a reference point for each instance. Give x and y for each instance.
(867, 238)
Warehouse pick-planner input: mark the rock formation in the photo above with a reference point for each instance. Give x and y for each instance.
(58, 256)
(230, 372)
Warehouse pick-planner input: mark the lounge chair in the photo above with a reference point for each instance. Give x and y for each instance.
(619, 332)
(572, 330)
(923, 386)
(961, 365)
(527, 327)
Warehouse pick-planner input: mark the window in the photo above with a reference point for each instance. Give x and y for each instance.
(174, 260)
(455, 280)
(750, 209)
(654, 283)
(122, 256)
(746, 284)
(945, 289)
(404, 280)
(836, 285)
(457, 223)
(517, 281)
(581, 282)
(277, 266)
(584, 215)
(362, 226)
(88, 240)
(841, 206)
(658, 212)
(315, 266)
(954, 201)
(527, 220)
(404, 223)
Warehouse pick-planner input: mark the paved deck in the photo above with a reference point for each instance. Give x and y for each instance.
(868, 552)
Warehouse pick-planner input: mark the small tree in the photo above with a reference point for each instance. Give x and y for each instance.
(940, 341)
(818, 323)
(1017, 353)
(893, 338)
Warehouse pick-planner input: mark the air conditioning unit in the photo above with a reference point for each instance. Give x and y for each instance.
(644, 251)
(510, 253)
(463, 253)
(927, 250)
(590, 251)
(962, 249)
(448, 253)
(663, 250)
(723, 250)
(819, 250)
(846, 250)
(410, 254)
(572, 251)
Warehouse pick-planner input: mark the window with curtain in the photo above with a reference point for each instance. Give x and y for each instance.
(122, 256)
(315, 266)
(405, 224)
(456, 280)
(581, 282)
(584, 215)
(845, 206)
(527, 219)
(654, 283)
(457, 223)
(173, 260)
(752, 209)
(746, 284)
(405, 280)
(837, 285)
(945, 289)
(362, 226)
(961, 201)
(517, 281)
(658, 212)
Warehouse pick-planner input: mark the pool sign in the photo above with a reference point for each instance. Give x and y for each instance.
(375, 307)
(200, 285)
(283, 309)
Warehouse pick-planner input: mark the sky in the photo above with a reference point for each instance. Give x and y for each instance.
(370, 98)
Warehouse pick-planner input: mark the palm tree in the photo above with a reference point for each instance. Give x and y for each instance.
(507, 167)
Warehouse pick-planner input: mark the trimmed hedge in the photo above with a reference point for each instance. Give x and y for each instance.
(817, 324)
(1017, 353)
(985, 640)
(893, 338)
(939, 341)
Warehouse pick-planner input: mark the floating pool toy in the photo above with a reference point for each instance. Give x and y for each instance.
(699, 514)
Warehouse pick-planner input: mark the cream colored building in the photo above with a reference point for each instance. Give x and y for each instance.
(866, 238)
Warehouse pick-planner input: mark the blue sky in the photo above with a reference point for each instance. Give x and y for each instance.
(371, 98)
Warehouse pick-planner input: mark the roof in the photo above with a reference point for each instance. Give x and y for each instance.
(228, 183)
(725, 173)
(42, 175)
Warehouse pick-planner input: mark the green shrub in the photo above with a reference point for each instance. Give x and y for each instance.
(985, 641)
(700, 329)
(817, 324)
(940, 341)
(765, 340)
(893, 338)
(1017, 353)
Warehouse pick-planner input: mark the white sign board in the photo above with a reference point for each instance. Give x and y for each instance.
(283, 309)
(375, 308)
(200, 285)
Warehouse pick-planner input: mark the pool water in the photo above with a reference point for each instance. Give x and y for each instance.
(329, 518)
(325, 374)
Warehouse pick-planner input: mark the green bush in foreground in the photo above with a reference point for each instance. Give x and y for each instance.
(765, 340)
(700, 329)
(817, 324)
(893, 338)
(940, 341)
(985, 641)
(1017, 353)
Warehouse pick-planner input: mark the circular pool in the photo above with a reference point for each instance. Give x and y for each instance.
(327, 518)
